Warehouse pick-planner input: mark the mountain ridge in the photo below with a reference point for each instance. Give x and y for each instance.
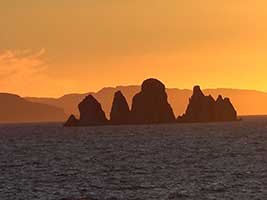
(17, 109)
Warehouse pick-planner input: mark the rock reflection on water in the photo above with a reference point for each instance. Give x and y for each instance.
(183, 161)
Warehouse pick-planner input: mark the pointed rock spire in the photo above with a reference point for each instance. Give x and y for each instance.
(197, 91)
(203, 108)
(120, 112)
(200, 108)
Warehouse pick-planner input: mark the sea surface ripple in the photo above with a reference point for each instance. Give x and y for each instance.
(172, 161)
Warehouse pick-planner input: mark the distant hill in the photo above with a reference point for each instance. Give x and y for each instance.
(247, 102)
(69, 102)
(16, 109)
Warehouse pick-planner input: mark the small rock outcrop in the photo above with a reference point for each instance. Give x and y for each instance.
(203, 108)
(120, 112)
(72, 121)
(151, 104)
(225, 110)
(91, 114)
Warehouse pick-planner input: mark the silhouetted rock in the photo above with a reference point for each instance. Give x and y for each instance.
(178, 98)
(203, 108)
(120, 112)
(151, 104)
(225, 111)
(72, 121)
(91, 112)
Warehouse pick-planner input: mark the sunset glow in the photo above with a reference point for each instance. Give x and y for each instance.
(50, 48)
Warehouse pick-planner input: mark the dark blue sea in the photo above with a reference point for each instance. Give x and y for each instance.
(147, 162)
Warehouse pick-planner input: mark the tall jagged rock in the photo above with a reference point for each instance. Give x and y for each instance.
(151, 104)
(203, 108)
(120, 112)
(91, 112)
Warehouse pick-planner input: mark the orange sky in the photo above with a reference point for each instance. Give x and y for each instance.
(49, 48)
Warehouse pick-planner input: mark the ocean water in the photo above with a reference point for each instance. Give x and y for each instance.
(176, 161)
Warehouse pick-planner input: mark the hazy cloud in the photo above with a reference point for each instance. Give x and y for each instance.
(19, 64)
(24, 70)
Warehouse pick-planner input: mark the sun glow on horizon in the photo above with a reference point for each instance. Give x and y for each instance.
(51, 49)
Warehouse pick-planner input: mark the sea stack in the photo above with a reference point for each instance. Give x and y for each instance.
(120, 112)
(151, 104)
(225, 110)
(91, 114)
(203, 108)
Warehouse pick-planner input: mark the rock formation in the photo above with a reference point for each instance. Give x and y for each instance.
(151, 104)
(120, 112)
(91, 114)
(225, 111)
(72, 121)
(203, 108)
